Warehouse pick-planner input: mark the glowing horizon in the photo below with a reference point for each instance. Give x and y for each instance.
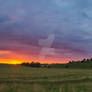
(18, 58)
(5, 61)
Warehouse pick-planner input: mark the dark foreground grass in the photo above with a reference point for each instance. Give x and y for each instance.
(80, 87)
(26, 79)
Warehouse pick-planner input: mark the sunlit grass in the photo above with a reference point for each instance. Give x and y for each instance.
(14, 87)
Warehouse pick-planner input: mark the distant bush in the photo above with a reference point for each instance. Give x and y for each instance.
(36, 64)
(33, 64)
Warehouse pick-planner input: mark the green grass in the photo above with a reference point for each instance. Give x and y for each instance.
(14, 87)
(26, 79)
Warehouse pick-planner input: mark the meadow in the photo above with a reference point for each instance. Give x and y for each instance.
(27, 79)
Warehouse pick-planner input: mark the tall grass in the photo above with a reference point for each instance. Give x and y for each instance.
(80, 87)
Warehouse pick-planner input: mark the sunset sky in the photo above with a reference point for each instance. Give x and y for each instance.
(48, 31)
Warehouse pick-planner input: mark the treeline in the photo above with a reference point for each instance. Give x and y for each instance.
(82, 61)
(85, 63)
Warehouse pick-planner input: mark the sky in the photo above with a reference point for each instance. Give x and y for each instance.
(46, 31)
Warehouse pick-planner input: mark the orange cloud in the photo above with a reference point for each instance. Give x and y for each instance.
(5, 52)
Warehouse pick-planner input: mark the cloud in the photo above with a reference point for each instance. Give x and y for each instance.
(4, 18)
(25, 23)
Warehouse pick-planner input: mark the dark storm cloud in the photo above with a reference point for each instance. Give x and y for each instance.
(24, 22)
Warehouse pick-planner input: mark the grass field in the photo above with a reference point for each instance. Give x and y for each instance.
(26, 79)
